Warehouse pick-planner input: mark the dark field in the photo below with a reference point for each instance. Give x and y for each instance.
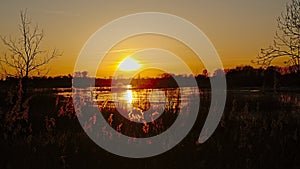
(257, 130)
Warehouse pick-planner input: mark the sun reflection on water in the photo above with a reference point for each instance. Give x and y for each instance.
(128, 96)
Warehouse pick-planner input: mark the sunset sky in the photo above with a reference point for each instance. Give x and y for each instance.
(237, 28)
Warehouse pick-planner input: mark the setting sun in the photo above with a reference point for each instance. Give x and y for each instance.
(129, 64)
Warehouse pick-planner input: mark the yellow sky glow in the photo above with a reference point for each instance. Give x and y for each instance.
(238, 29)
(130, 47)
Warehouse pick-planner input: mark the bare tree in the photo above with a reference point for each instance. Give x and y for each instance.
(24, 54)
(286, 40)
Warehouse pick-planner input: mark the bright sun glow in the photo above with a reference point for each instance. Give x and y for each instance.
(129, 97)
(129, 64)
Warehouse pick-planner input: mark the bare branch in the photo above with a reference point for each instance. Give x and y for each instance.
(25, 55)
(286, 40)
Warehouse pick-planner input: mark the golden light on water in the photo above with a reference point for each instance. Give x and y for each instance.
(129, 64)
(128, 96)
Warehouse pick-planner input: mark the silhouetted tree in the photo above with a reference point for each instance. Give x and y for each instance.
(84, 74)
(24, 54)
(205, 73)
(286, 40)
(219, 72)
(245, 76)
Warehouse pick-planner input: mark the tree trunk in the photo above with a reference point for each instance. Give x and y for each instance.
(24, 83)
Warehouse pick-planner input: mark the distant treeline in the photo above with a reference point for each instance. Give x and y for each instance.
(239, 77)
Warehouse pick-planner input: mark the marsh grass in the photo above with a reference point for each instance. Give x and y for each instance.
(257, 130)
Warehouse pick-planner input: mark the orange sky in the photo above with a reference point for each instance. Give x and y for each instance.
(237, 28)
(128, 47)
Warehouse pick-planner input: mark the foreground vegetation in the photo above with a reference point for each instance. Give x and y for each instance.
(257, 130)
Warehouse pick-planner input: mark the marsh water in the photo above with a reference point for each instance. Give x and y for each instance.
(127, 97)
(134, 104)
(163, 97)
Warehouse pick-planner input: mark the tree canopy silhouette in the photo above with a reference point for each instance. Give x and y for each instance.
(286, 40)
